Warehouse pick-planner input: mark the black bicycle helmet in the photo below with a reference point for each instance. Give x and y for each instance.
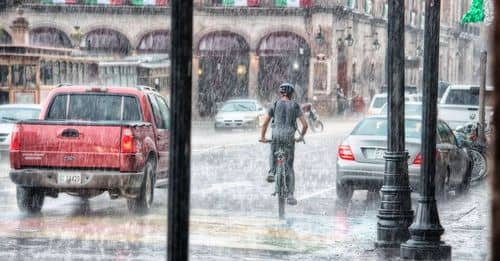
(287, 88)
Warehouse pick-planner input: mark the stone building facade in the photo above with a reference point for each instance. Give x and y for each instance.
(248, 51)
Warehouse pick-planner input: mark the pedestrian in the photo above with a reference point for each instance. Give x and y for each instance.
(284, 114)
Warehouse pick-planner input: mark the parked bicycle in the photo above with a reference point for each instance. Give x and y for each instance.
(467, 135)
(281, 188)
(312, 117)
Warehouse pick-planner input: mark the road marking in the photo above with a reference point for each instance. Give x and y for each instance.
(317, 193)
(226, 185)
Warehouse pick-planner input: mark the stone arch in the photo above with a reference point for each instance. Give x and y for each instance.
(106, 40)
(5, 37)
(270, 30)
(157, 41)
(49, 37)
(284, 56)
(223, 69)
(203, 33)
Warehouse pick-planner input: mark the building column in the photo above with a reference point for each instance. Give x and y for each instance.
(253, 75)
(19, 29)
(195, 78)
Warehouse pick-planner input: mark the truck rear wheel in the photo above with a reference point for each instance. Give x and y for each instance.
(143, 202)
(29, 199)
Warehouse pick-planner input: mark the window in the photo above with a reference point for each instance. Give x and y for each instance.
(468, 97)
(378, 127)
(24, 76)
(351, 4)
(164, 110)
(368, 6)
(46, 74)
(159, 121)
(98, 107)
(4, 74)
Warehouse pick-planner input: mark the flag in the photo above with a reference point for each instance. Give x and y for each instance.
(475, 13)
(104, 2)
(59, 1)
(149, 2)
(240, 2)
(293, 3)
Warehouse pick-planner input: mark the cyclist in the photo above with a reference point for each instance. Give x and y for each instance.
(284, 114)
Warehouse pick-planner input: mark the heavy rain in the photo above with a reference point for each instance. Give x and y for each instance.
(314, 130)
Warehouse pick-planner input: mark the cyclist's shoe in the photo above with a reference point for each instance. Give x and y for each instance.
(270, 178)
(291, 201)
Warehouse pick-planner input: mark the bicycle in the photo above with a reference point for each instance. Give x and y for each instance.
(281, 174)
(477, 149)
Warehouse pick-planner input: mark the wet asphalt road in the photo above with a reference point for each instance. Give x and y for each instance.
(233, 215)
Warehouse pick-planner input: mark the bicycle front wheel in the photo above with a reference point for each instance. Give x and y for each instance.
(479, 165)
(281, 207)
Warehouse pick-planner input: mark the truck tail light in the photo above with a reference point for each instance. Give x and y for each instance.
(127, 142)
(345, 152)
(15, 140)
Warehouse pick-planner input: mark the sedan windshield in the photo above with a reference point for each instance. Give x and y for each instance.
(238, 106)
(378, 127)
(18, 114)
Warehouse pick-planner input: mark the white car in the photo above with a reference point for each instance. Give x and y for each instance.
(460, 105)
(239, 113)
(9, 115)
(379, 100)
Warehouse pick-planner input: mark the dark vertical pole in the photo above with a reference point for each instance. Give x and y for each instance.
(495, 178)
(482, 89)
(395, 213)
(180, 137)
(426, 231)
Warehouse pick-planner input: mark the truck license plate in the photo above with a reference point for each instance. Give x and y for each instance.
(69, 179)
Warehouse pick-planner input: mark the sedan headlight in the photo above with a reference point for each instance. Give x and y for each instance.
(249, 117)
(219, 119)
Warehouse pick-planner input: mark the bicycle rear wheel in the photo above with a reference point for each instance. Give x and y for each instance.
(281, 207)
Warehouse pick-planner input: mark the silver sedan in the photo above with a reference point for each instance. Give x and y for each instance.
(361, 165)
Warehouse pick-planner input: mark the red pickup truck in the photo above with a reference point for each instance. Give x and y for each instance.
(89, 140)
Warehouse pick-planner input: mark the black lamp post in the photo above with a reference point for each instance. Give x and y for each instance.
(395, 214)
(180, 138)
(426, 231)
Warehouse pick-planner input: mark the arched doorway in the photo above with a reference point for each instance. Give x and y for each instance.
(106, 41)
(49, 37)
(5, 37)
(223, 69)
(283, 57)
(155, 42)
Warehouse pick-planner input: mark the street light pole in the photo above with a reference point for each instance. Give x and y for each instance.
(180, 137)
(395, 213)
(426, 231)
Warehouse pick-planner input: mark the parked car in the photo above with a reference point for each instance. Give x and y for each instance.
(89, 140)
(361, 165)
(239, 113)
(380, 99)
(460, 104)
(411, 109)
(442, 88)
(9, 115)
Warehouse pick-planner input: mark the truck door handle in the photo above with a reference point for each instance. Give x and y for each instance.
(70, 133)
